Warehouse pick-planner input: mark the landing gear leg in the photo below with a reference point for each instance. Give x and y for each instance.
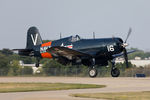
(37, 64)
(115, 72)
(93, 70)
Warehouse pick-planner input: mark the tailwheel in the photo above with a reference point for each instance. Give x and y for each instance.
(92, 72)
(115, 72)
(37, 65)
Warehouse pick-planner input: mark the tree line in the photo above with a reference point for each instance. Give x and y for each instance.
(9, 66)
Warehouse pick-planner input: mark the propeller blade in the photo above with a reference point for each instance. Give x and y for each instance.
(126, 57)
(129, 32)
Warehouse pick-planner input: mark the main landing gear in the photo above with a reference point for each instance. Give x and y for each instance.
(115, 72)
(92, 69)
(92, 72)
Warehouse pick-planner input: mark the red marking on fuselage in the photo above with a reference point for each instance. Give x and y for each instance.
(70, 46)
(43, 49)
(46, 44)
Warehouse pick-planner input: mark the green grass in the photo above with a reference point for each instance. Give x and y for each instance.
(117, 96)
(25, 87)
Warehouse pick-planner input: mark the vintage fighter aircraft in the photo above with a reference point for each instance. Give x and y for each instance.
(74, 50)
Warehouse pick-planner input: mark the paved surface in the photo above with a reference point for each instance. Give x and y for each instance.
(113, 85)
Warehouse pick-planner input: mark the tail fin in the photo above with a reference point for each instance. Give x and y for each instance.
(33, 38)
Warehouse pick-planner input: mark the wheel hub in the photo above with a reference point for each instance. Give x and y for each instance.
(92, 72)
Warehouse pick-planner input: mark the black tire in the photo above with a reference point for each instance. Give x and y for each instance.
(92, 72)
(37, 65)
(115, 72)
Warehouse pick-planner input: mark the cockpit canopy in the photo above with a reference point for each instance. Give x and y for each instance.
(75, 38)
(70, 39)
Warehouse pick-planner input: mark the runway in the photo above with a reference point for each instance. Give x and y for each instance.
(113, 85)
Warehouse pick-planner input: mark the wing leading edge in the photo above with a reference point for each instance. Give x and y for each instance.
(121, 54)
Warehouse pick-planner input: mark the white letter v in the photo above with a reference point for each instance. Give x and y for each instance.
(34, 40)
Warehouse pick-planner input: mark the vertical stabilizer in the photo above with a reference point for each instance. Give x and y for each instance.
(33, 38)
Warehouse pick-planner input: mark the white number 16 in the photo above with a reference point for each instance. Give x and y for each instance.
(110, 48)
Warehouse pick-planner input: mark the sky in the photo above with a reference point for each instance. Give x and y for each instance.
(107, 18)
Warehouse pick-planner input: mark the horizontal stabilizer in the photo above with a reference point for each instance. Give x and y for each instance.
(24, 52)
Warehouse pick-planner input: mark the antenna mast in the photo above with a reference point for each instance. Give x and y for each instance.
(93, 35)
(60, 35)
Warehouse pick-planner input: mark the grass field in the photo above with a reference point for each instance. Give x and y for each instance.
(117, 96)
(25, 87)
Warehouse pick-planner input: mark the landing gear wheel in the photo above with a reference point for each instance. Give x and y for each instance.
(37, 65)
(115, 72)
(92, 72)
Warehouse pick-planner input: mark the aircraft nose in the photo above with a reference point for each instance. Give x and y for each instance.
(123, 44)
(120, 40)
